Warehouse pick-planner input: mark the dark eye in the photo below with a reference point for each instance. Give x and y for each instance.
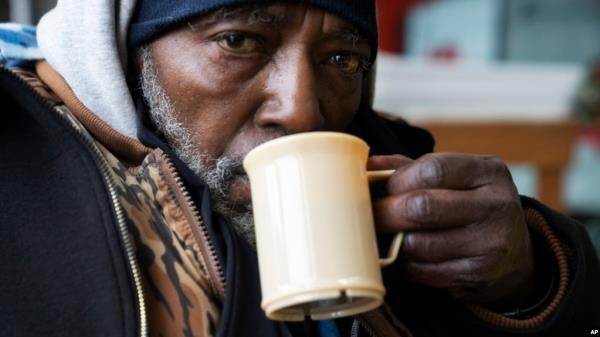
(238, 43)
(348, 63)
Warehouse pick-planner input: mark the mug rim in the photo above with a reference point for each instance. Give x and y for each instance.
(300, 136)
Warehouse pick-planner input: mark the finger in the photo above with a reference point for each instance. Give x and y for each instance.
(464, 273)
(449, 171)
(441, 245)
(387, 162)
(435, 209)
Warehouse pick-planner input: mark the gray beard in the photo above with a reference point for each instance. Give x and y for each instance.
(220, 176)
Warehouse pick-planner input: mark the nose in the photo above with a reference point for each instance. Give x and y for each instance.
(292, 98)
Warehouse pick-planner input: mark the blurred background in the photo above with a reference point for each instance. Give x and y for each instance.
(516, 78)
(24, 11)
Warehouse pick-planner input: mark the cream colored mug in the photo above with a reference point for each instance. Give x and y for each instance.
(316, 244)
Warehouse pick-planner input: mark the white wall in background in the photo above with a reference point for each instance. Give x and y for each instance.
(425, 90)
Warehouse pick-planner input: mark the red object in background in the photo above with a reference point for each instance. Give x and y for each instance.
(592, 135)
(445, 53)
(592, 132)
(392, 15)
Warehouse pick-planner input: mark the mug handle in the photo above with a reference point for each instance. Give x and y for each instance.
(376, 176)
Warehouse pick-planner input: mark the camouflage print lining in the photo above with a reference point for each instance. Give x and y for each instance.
(180, 301)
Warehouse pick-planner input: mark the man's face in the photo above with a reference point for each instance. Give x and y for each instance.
(240, 77)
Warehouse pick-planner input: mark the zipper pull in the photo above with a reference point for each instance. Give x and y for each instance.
(355, 328)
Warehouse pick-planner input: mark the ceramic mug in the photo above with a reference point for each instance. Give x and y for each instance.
(316, 243)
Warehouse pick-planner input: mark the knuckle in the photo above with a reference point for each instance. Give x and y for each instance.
(408, 243)
(497, 166)
(421, 206)
(417, 246)
(472, 275)
(434, 170)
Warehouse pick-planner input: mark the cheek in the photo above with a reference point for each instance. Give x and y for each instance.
(204, 94)
(194, 79)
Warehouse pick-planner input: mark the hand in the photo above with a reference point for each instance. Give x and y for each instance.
(463, 222)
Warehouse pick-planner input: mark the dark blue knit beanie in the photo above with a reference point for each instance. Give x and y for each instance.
(154, 17)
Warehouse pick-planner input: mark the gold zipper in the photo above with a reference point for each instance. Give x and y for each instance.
(114, 199)
(198, 226)
(366, 327)
(129, 249)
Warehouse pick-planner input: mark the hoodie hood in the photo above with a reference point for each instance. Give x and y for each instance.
(93, 58)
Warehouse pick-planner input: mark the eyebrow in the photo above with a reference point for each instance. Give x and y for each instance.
(260, 14)
(254, 14)
(347, 34)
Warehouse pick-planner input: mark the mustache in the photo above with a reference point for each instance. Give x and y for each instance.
(259, 138)
(225, 170)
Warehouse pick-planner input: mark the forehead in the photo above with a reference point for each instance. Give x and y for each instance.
(279, 16)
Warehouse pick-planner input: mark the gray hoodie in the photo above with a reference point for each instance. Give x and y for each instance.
(93, 58)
